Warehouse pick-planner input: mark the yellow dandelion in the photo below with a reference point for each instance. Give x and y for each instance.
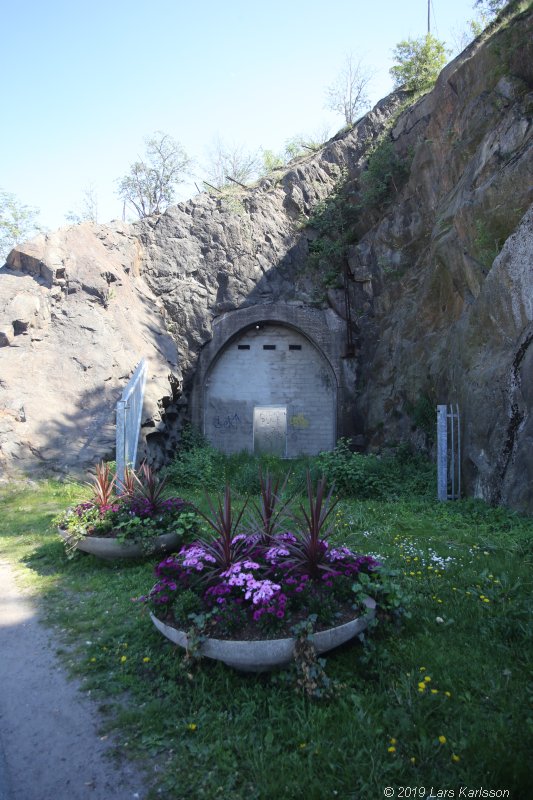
(394, 741)
(422, 669)
(146, 659)
(411, 573)
(434, 691)
(192, 726)
(123, 659)
(439, 601)
(391, 749)
(442, 739)
(455, 758)
(93, 660)
(427, 679)
(412, 760)
(421, 687)
(448, 694)
(302, 745)
(486, 600)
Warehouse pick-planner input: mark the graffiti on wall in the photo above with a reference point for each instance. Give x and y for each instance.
(299, 421)
(228, 422)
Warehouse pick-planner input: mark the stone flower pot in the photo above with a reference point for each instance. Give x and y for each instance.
(262, 655)
(108, 548)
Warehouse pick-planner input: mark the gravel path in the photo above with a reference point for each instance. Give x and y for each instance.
(50, 748)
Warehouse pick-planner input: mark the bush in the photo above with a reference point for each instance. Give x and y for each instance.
(385, 175)
(354, 475)
(371, 476)
(198, 466)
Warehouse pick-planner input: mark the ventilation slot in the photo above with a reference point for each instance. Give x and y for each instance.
(295, 347)
(243, 347)
(269, 347)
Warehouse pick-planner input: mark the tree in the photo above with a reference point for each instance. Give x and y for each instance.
(151, 183)
(490, 7)
(88, 211)
(348, 94)
(17, 222)
(419, 62)
(231, 162)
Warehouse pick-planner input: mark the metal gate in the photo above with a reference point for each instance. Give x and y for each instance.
(129, 414)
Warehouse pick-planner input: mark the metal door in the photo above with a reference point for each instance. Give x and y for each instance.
(270, 430)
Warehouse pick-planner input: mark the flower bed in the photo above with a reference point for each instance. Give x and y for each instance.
(137, 522)
(260, 595)
(262, 583)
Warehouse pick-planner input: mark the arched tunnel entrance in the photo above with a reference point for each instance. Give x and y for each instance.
(270, 390)
(272, 379)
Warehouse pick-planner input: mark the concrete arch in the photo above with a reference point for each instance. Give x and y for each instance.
(242, 382)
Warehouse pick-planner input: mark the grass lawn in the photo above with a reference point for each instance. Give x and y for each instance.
(442, 701)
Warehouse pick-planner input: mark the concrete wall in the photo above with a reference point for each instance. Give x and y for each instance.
(282, 375)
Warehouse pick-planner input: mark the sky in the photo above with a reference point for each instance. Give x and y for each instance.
(86, 81)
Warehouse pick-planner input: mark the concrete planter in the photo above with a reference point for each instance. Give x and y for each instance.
(265, 654)
(110, 549)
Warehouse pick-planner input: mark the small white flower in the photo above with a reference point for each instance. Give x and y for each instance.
(439, 620)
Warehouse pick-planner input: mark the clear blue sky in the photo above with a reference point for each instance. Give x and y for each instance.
(85, 81)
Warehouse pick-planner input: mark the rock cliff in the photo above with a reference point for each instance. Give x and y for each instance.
(419, 216)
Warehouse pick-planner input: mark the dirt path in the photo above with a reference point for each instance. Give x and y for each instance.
(50, 748)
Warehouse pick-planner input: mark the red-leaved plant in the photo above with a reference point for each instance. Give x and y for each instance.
(149, 486)
(128, 487)
(307, 555)
(103, 486)
(267, 516)
(226, 547)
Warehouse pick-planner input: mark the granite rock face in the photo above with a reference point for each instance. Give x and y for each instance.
(76, 317)
(438, 274)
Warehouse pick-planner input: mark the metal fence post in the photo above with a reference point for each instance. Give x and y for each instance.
(448, 452)
(442, 453)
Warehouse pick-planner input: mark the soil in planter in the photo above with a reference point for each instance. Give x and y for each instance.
(249, 630)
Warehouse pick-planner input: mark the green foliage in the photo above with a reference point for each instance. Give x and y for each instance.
(271, 161)
(366, 476)
(419, 62)
(180, 718)
(487, 243)
(333, 220)
(424, 415)
(197, 466)
(384, 176)
(354, 474)
(17, 222)
(490, 7)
